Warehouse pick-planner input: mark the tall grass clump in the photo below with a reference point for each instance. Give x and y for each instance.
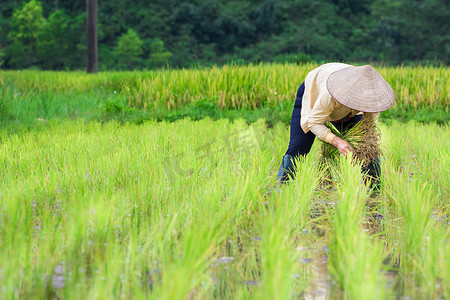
(112, 211)
(285, 219)
(413, 201)
(177, 210)
(430, 155)
(355, 258)
(248, 86)
(445, 259)
(421, 151)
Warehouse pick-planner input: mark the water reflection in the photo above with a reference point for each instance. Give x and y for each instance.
(319, 287)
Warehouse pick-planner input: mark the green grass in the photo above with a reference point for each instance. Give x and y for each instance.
(248, 92)
(355, 258)
(228, 86)
(157, 210)
(22, 111)
(161, 185)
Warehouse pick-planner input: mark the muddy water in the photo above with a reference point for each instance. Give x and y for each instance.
(319, 287)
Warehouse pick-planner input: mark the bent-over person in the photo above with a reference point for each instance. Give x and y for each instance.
(343, 95)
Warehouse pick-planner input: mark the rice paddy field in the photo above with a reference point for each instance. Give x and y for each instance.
(189, 209)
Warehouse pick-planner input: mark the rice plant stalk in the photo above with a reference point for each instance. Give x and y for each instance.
(355, 258)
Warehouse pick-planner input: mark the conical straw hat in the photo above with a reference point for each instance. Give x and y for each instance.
(361, 88)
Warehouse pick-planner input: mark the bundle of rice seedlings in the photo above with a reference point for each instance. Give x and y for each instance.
(364, 137)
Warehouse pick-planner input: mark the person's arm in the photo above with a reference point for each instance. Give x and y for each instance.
(320, 113)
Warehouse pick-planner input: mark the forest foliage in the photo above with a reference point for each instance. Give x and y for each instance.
(51, 34)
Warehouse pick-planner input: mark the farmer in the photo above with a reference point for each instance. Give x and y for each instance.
(342, 94)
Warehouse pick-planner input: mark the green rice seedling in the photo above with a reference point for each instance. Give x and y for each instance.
(287, 216)
(431, 273)
(394, 147)
(16, 231)
(184, 274)
(413, 201)
(430, 156)
(420, 151)
(182, 209)
(444, 262)
(355, 259)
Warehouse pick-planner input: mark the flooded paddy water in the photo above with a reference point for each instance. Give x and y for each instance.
(187, 210)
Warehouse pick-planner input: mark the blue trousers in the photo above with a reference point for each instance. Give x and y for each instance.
(299, 142)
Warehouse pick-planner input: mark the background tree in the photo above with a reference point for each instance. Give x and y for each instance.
(128, 50)
(206, 32)
(25, 28)
(91, 37)
(159, 56)
(54, 44)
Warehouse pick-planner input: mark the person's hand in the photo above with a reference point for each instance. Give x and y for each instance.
(343, 146)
